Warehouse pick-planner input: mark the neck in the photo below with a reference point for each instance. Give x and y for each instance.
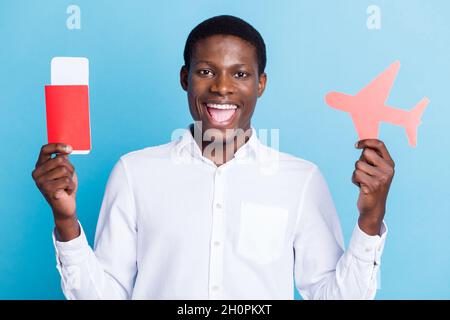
(222, 152)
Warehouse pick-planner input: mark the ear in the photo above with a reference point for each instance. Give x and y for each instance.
(262, 84)
(184, 73)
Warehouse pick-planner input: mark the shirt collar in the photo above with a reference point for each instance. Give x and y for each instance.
(186, 145)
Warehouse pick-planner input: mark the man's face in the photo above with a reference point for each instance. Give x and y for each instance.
(223, 85)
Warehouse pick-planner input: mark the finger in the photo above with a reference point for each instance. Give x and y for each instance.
(51, 148)
(51, 164)
(58, 172)
(372, 157)
(354, 180)
(367, 168)
(377, 145)
(53, 188)
(362, 180)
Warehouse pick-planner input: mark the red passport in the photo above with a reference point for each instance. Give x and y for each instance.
(67, 110)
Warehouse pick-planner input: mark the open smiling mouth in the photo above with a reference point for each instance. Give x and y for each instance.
(221, 113)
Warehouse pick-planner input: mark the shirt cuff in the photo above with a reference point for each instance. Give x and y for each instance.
(71, 252)
(368, 248)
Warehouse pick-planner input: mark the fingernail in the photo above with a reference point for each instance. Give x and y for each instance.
(357, 144)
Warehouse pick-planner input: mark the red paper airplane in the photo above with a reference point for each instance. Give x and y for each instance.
(368, 107)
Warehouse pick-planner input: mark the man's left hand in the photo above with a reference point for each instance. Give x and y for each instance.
(373, 175)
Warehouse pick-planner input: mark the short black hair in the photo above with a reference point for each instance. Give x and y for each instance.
(226, 25)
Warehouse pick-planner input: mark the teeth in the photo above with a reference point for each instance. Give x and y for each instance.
(221, 106)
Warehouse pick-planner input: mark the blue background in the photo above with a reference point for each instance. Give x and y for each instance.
(135, 52)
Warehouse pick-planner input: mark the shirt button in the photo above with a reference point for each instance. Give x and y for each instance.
(218, 206)
(368, 249)
(215, 288)
(219, 172)
(216, 243)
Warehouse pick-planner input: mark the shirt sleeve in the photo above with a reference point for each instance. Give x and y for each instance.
(323, 270)
(108, 271)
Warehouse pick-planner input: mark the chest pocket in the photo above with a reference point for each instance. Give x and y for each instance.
(262, 232)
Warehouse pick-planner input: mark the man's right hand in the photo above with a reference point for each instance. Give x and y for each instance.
(56, 179)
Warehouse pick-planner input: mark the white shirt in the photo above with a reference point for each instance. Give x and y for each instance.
(173, 225)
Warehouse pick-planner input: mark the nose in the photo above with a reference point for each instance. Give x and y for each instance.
(222, 85)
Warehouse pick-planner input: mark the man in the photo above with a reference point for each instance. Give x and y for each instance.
(201, 218)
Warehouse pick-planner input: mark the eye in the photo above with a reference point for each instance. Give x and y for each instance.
(205, 72)
(242, 74)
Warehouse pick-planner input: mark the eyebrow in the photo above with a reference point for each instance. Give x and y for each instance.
(213, 64)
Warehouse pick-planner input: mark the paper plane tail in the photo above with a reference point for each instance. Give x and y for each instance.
(414, 120)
